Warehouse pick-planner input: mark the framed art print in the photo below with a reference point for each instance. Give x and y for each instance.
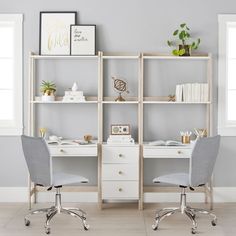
(55, 32)
(83, 40)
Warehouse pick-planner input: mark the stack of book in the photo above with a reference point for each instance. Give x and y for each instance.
(120, 139)
(73, 96)
(197, 92)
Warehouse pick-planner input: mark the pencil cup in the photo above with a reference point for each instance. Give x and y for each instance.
(185, 139)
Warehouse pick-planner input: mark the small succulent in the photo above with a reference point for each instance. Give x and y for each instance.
(183, 35)
(48, 87)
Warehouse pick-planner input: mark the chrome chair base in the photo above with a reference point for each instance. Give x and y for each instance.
(183, 209)
(58, 209)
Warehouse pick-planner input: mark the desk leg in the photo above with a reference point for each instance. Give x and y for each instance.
(206, 193)
(100, 202)
(29, 193)
(211, 193)
(141, 194)
(35, 194)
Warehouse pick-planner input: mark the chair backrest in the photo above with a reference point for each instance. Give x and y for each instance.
(38, 160)
(203, 160)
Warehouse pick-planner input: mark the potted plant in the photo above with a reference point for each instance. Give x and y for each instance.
(48, 89)
(184, 44)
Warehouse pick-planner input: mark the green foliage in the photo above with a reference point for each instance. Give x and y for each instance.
(48, 87)
(183, 37)
(177, 52)
(169, 43)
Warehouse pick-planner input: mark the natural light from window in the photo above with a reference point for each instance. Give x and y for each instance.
(6, 72)
(10, 74)
(231, 72)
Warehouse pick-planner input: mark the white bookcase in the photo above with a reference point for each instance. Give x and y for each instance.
(119, 179)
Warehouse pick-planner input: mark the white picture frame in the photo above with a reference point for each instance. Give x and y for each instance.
(55, 32)
(83, 40)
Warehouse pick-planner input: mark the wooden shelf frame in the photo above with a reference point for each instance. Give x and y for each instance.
(35, 100)
(100, 101)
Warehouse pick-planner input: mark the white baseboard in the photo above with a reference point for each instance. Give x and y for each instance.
(13, 194)
(20, 194)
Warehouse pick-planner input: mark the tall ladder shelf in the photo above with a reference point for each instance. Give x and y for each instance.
(102, 101)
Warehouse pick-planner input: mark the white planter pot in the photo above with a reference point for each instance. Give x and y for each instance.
(46, 98)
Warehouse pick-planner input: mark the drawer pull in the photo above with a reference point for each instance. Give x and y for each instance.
(120, 155)
(61, 150)
(120, 189)
(179, 152)
(120, 172)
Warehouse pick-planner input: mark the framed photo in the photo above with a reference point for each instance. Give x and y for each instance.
(120, 129)
(83, 40)
(54, 32)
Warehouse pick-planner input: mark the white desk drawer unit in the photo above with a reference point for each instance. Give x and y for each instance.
(73, 150)
(120, 172)
(167, 152)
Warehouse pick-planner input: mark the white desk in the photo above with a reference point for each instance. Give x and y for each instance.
(176, 152)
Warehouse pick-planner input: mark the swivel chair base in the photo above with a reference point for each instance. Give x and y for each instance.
(58, 209)
(183, 209)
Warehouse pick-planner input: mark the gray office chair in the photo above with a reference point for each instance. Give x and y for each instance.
(202, 162)
(39, 163)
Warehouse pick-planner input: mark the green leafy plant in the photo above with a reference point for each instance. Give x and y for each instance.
(183, 41)
(48, 87)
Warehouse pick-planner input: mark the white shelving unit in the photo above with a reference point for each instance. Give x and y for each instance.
(102, 101)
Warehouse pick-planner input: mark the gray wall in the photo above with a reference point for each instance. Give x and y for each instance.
(125, 25)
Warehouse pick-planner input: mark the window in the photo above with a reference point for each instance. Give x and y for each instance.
(11, 74)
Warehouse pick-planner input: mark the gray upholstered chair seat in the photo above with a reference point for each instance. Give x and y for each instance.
(65, 178)
(176, 179)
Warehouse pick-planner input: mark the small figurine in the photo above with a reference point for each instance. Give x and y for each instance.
(120, 86)
(74, 87)
(171, 98)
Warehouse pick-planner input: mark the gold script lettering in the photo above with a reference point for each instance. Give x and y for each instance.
(57, 39)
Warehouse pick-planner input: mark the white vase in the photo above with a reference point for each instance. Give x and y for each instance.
(47, 98)
(74, 87)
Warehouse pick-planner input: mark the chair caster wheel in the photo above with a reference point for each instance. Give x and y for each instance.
(213, 222)
(194, 231)
(86, 226)
(47, 231)
(154, 227)
(27, 222)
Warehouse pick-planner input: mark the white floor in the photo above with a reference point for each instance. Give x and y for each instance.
(115, 220)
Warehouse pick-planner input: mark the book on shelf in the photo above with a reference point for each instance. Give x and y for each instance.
(120, 136)
(165, 143)
(61, 142)
(192, 92)
(120, 139)
(73, 96)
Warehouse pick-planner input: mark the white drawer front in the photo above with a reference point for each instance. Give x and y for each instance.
(120, 172)
(73, 151)
(167, 152)
(120, 190)
(120, 154)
